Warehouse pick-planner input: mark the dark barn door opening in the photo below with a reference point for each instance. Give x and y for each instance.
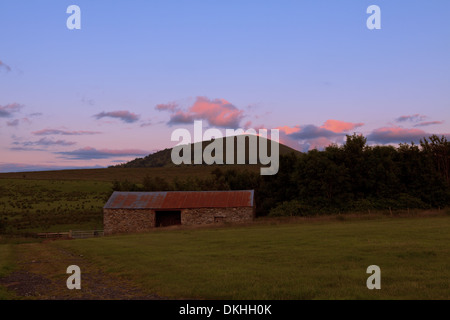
(167, 218)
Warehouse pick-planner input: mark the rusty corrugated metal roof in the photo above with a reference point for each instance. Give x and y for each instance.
(180, 199)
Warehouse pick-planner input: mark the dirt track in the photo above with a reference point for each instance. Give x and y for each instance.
(41, 274)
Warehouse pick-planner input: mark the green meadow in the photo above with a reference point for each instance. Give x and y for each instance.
(273, 258)
(134, 175)
(59, 201)
(300, 260)
(51, 205)
(7, 265)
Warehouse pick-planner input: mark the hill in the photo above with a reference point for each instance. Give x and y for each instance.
(158, 164)
(163, 158)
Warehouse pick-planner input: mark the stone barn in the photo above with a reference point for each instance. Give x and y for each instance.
(128, 212)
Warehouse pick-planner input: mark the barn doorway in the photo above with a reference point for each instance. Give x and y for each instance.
(167, 218)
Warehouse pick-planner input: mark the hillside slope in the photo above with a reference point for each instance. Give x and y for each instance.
(163, 158)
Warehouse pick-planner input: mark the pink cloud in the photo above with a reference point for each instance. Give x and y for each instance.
(396, 135)
(289, 130)
(218, 112)
(308, 137)
(340, 126)
(329, 128)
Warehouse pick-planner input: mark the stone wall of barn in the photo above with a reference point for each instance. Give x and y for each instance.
(128, 220)
(141, 220)
(216, 215)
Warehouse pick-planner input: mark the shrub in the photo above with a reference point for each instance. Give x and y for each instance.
(406, 201)
(291, 208)
(361, 205)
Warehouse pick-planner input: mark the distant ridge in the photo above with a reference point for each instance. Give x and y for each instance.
(163, 158)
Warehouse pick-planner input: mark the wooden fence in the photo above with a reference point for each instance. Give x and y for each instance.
(53, 235)
(77, 234)
(86, 234)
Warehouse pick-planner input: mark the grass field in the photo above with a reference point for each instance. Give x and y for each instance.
(307, 258)
(134, 175)
(7, 265)
(312, 260)
(52, 205)
(59, 201)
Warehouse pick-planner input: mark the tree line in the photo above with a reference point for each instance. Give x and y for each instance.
(348, 178)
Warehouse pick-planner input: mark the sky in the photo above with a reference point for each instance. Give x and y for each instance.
(118, 87)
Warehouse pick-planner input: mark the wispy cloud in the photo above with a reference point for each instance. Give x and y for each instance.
(4, 66)
(26, 120)
(16, 122)
(428, 123)
(146, 124)
(35, 114)
(167, 107)
(396, 135)
(47, 132)
(12, 123)
(45, 142)
(26, 149)
(89, 102)
(412, 118)
(20, 167)
(218, 112)
(89, 153)
(9, 109)
(125, 116)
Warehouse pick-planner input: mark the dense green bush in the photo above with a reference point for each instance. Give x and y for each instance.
(291, 208)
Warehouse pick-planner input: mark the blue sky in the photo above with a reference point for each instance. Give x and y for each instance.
(90, 97)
